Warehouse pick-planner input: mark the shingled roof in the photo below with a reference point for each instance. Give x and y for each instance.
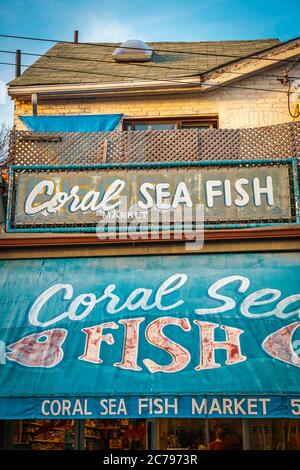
(67, 63)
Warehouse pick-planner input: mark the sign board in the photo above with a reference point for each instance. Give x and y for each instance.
(238, 193)
(181, 335)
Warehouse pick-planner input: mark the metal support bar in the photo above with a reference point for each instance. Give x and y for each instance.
(153, 165)
(34, 102)
(206, 433)
(246, 435)
(296, 189)
(18, 63)
(79, 434)
(8, 434)
(152, 434)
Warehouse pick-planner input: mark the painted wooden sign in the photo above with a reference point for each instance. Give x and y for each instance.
(68, 197)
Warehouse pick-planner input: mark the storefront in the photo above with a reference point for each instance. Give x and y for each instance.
(182, 351)
(174, 434)
(149, 264)
(187, 344)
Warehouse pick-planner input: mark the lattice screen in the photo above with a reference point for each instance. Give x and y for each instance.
(271, 142)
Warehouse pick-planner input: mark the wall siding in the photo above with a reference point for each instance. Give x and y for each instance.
(236, 107)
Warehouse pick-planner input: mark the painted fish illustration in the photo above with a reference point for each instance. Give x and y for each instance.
(39, 349)
(280, 345)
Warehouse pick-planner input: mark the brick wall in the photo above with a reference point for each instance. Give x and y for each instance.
(236, 107)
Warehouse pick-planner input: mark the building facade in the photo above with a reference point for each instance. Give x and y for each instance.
(117, 339)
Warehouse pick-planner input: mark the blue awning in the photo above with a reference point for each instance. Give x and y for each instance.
(76, 123)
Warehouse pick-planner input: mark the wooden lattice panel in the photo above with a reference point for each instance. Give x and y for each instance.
(271, 142)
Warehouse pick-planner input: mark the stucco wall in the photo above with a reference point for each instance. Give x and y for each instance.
(236, 107)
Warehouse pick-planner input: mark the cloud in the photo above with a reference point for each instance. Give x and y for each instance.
(137, 22)
(108, 30)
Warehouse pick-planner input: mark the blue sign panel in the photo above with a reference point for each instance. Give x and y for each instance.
(154, 406)
(183, 335)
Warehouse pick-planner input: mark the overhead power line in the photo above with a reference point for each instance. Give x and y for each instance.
(175, 80)
(100, 61)
(99, 74)
(228, 56)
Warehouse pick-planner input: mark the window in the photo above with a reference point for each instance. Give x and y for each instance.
(274, 434)
(196, 125)
(201, 434)
(61, 434)
(195, 122)
(43, 434)
(115, 434)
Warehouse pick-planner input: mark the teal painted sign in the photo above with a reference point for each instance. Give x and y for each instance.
(77, 331)
(112, 198)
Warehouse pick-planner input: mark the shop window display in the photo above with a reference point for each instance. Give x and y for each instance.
(115, 434)
(225, 434)
(132, 434)
(182, 433)
(274, 434)
(43, 434)
(201, 434)
(99, 434)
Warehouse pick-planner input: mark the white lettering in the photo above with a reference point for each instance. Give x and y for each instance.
(211, 192)
(161, 194)
(244, 197)
(229, 303)
(267, 190)
(182, 196)
(149, 199)
(46, 186)
(60, 199)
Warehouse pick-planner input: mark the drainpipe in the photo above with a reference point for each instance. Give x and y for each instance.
(2, 218)
(34, 103)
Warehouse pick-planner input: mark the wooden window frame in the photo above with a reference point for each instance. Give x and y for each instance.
(212, 119)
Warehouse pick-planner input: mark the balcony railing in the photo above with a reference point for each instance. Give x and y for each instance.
(274, 142)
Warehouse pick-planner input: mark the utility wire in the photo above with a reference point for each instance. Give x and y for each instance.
(99, 74)
(84, 59)
(228, 56)
(176, 80)
(100, 61)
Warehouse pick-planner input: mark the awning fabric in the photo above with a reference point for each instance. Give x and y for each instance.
(76, 123)
(209, 335)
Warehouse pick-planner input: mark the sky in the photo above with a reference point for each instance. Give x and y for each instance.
(119, 20)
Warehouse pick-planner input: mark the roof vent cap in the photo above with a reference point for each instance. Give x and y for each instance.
(133, 50)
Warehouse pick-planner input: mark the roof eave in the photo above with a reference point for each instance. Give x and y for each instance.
(212, 79)
(241, 69)
(103, 88)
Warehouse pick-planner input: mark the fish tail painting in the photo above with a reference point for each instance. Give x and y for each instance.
(279, 344)
(39, 349)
